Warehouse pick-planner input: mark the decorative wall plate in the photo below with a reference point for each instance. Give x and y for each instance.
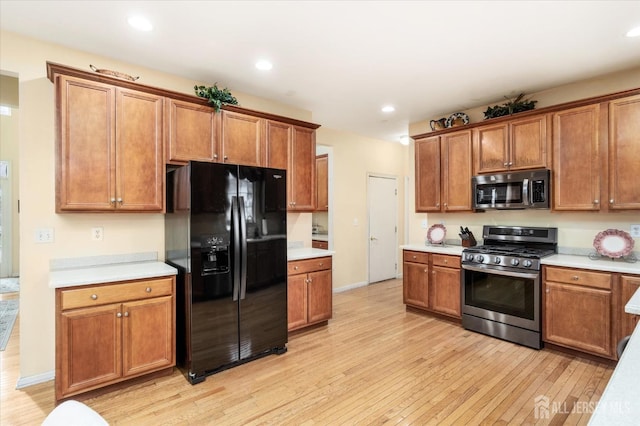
(613, 243)
(436, 234)
(456, 118)
(116, 74)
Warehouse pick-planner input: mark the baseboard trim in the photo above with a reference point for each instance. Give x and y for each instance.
(24, 382)
(349, 287)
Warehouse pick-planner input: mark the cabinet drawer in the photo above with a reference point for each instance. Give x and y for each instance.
(579, 277)
(308, 265)
(115, 293)
(416, 256)
(446, 260)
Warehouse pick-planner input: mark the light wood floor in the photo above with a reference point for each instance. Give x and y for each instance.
(375, 363)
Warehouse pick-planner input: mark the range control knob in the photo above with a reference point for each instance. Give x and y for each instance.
(526, 263)
(469, 257)
(515, 262)
(497, 260)
(479, 258)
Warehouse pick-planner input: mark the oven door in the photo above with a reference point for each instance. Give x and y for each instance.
(503, 295)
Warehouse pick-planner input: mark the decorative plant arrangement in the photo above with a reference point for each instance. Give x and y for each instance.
(513, 106)
(216, 96)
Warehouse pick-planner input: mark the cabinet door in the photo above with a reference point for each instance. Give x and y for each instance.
(490, 149)
(192, 132)
(624, 153)
(445, 291)
(427, 158)
(90, 348)
(147, 336)
(139, 155)
(528, 143)
(416, 284)
(278, 140)
(629, 285)
(322, 179)
(576, 164)
(296, 301)
(456, 175)
(302, 171)
(319, 297)
(578, 317)
(85, 149)
(241, 138)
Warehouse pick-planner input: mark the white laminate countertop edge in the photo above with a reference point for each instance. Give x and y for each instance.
(620, 404)
(446, 249)
(583, 262)
(320, 237)
(633, 305)
(101, 274)
(307, 253)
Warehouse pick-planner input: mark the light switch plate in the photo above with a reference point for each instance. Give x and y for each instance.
(44, 235)
(635, 231)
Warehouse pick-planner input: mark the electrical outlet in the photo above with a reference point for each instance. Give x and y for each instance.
(97, 233)
(425, 224)
(635, 231)
(44, 235)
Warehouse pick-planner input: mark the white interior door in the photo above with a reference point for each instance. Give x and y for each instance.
(383, 227)
(5, 220)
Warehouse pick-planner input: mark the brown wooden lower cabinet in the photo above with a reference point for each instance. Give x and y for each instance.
(323, 245)
(578, 310)
(432, 282)
(310, 292)
(109, 333)
(629, 284)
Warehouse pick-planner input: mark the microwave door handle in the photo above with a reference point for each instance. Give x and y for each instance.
(525, 192)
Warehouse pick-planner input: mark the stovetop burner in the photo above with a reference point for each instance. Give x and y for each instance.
(512, 247)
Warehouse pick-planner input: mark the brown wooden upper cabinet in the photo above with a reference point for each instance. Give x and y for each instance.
(301, 177)
(242, 138)
(192, 132)
(277, 146)
(596, 156)
(514, 145)
(624, 153)
(109, 152)
(443, 172)
(322, 180)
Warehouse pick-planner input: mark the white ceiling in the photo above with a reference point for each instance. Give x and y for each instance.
(344, 60)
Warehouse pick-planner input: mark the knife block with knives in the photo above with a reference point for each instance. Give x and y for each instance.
(468, 240)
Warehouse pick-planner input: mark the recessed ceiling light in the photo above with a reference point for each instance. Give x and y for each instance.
(634, 32)
(140, 23)
(388, 108)
(264, 65)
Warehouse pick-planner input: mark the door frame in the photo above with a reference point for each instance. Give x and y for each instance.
(395, 179)
(6, 262)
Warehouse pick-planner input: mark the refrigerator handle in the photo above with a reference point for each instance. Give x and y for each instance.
(243, 236)
(235, 232)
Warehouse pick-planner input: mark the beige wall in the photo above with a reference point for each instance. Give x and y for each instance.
(123, 233)
(575, 229)
(354, 157)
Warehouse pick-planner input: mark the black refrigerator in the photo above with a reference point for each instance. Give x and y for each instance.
(225, 232)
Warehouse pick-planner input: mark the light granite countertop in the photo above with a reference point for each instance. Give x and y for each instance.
(583, 262)
(307, 253)
(106, 269)
(620, 401)
(440, 249)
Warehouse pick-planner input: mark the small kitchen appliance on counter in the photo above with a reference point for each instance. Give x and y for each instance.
(501, 285)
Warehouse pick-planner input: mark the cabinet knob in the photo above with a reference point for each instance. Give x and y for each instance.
(215, 156)
(321, 264)
(94, 296)
(510, 163)
(425, 269)
(505, 164)
(415, 257)
(126, 314)
(119, 314)
(437, 204)
(446, 261)
(575, 278)
(596, 201)
(225, 158)
(119, 200)
(148, 289)
(546, 291)
(611, 201)
(295, 268)
(112, 200)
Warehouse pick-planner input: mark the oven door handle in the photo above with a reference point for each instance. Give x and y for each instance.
(532, 276)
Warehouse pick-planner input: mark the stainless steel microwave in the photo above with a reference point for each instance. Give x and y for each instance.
(512, 190)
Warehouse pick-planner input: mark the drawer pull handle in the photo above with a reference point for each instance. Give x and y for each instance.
(575, 278)
(148, 289)
(119, 314)
(94, 296)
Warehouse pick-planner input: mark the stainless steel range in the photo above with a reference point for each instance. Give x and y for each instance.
(501, 286)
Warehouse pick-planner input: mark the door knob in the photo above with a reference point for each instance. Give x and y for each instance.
(373, 238)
